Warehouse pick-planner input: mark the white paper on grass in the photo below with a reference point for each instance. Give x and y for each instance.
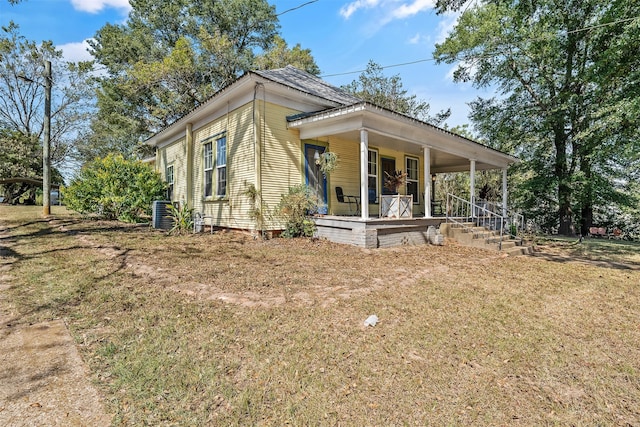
(371, 320)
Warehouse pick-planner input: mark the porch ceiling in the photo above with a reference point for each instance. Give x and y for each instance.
(449, 152)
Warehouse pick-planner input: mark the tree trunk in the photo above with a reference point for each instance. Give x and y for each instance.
(586, 208)
(565, 226)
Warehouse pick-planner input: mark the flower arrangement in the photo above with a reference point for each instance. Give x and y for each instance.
(395, 180)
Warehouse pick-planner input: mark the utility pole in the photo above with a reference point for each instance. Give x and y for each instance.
(46, 146)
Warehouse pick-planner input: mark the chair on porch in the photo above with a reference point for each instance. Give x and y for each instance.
(343, 198)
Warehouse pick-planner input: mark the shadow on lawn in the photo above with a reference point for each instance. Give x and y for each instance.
(600, 254)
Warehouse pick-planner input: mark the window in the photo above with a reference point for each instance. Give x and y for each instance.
(221, 166)
(412, 178)
(372, 170)
(169, 179)
(208, 169)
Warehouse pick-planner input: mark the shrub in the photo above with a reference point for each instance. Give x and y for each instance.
(115, 188)
(294, 208)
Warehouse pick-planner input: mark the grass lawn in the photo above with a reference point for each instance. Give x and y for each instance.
(226, 330)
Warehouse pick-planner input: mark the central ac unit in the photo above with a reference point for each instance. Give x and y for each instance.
(160, 215)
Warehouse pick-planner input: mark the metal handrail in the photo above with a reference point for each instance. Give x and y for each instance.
(511, 218)
(460, 211)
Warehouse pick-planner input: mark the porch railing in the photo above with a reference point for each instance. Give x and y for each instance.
(486, 214)
(514, 221)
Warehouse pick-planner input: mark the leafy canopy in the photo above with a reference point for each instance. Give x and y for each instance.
(169, 57)
(566, 103)
(374, 87)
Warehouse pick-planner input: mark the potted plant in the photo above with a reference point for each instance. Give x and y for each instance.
(395, 180)
(395, 205)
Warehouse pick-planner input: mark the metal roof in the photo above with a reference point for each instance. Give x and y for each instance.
(306, 82)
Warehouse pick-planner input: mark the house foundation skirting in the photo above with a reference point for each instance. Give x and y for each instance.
(375, 233)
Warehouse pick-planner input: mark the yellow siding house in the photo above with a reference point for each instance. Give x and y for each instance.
(267, 129)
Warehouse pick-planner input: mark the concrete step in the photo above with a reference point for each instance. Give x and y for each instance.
(480, 237)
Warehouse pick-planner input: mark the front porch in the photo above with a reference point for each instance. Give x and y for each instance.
(373, 233)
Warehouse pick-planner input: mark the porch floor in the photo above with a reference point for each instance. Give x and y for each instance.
(375, 232)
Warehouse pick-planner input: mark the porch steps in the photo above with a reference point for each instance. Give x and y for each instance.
(480, 237)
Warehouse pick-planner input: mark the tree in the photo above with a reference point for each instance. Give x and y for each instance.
(115, 188)
(21, 167)
(170, 57)
(279, 56)
(550, 61)
(22, 94)
(372, 86)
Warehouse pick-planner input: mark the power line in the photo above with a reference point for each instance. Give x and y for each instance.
(296, 8)
(386, 66)
(579, 30)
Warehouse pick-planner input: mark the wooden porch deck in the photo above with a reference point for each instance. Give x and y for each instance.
(375, 232)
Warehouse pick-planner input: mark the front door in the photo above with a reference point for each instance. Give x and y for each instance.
(387, 165)
(314, 178)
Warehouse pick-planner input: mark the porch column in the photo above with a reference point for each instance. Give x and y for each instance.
(427, 182)
(504, 192)
(364, 174)
(472, 185)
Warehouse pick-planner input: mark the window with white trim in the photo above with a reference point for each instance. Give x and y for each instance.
(168, 173)
(221, 166)
(208, 169)
(372, 172)
(411, 164)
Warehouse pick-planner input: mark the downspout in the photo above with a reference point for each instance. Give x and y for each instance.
(189, 142)
(257, 147)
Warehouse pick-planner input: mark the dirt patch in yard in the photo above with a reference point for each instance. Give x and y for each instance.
(193, 277)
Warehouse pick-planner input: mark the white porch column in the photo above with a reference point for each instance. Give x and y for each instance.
(364, 174)
(472, 185)
(504, 192)
(427, 182)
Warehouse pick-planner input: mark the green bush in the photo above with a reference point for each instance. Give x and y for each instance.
(294, 209)
(115, 188)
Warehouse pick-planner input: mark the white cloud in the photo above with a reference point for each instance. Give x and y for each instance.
(419, 38)
(445, 26)
(95, 6)
(74, 52)
(349, 9)
(409, 9)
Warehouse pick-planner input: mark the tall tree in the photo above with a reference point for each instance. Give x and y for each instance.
(169, 57)
(22, 93)
(546, 60)
(374, 87)
(280, 55)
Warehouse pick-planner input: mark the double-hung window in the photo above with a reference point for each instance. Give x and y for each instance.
(372, 172)
(169, 179)
(221, 166)
(208, 169)
(412, 178)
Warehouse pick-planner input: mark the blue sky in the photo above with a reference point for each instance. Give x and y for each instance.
(343, 35)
